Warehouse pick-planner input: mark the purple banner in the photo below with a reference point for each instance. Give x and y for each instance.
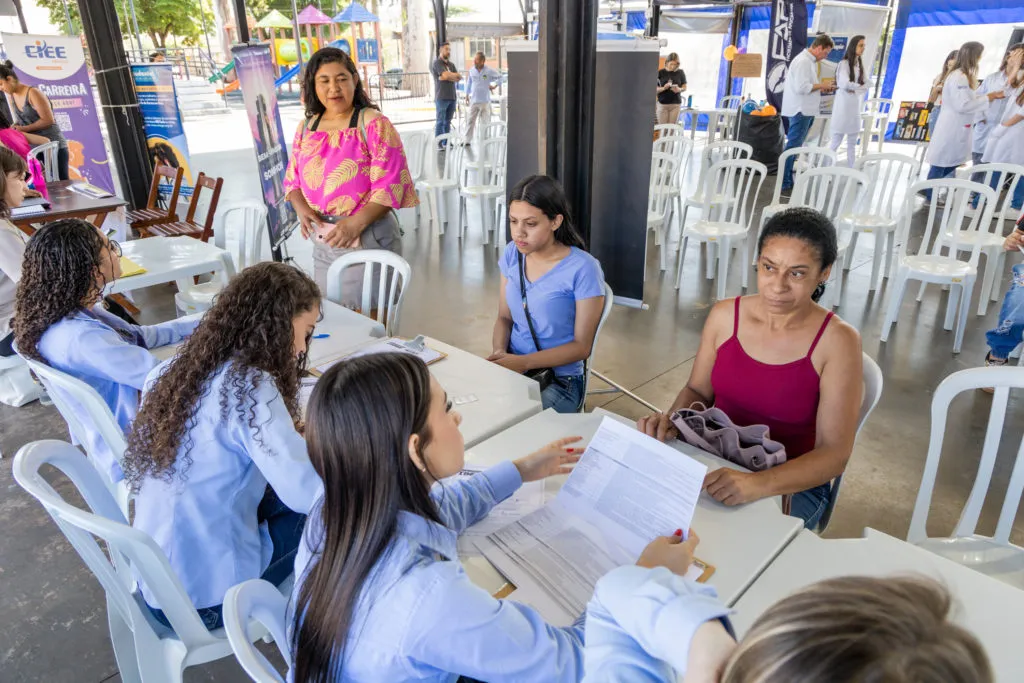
(56, 66)
(255, 70)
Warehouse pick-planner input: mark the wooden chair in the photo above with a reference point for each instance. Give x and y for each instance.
(190, 227)
(153, 214)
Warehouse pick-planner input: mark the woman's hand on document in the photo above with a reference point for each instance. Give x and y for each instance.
(558, 457)
(670, 552)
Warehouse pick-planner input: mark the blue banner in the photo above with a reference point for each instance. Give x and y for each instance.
(787, 37)
(165, 135)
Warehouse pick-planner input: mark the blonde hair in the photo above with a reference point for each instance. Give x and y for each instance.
(855, 629)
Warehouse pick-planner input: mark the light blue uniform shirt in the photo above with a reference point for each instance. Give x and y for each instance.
(420, 618)
(480, 82)
(205, 520)
(552, 300)
(93, 350)
(641, 622)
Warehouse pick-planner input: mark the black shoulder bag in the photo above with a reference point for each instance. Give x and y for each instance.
(545, 377)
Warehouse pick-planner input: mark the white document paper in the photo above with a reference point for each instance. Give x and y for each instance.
(626, 490)
(389, 345)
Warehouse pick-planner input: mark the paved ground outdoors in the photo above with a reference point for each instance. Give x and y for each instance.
(55, 618)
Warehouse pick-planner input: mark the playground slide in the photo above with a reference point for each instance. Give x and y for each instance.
(230, 87)
(294, 71)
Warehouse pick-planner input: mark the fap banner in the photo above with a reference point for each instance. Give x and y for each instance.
(165, 135)
(787, 37)
(255, 70)
(56, 66)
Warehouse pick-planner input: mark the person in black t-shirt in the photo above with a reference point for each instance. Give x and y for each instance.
(671, 84)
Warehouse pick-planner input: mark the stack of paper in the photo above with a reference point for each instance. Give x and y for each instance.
(626, 490)
(388, 345)
(90, 191)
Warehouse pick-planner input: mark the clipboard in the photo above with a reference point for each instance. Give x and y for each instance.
(414, 347)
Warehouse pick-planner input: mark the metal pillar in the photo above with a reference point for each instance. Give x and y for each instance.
(440, 24)
(117, 96)
(138, 38)
(241, 22)
(655, 24)
(566, 83)
(21, 16)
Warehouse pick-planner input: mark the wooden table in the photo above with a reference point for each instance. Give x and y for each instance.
(991, 609)
(65, 203)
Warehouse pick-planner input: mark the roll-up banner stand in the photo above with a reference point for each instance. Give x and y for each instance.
(787, 37)
(842, 21)
(622, 152)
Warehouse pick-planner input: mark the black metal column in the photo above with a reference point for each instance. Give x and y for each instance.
(655, 25)
(440, 24)
(566, 80)
(117, 97)
(242, 22)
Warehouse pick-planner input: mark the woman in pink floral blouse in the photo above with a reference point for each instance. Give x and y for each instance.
(348, 171)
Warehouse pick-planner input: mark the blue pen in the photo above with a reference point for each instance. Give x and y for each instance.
(321, 336)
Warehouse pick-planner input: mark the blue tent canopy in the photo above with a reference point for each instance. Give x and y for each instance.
(355, 13)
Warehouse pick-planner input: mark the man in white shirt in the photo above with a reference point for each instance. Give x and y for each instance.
(801, 97)
(482, 80)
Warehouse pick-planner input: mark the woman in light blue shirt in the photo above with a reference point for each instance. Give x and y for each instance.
(649, 625)
(59, 320)
(216, 458)
(564, 291)
(380, 594)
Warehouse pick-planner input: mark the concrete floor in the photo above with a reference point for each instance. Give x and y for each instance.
(54, 624)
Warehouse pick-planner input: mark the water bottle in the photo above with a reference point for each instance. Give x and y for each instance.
(689, 102)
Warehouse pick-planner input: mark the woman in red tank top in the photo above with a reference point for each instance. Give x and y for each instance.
(777, 358)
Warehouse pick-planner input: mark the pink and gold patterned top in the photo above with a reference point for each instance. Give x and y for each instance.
(338, 173)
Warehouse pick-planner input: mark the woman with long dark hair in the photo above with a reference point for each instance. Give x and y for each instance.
(348, 172)
(935, 94)
(953, 138)
(778, 358)
(33, 114)
(220, 470)
(59, 320)
(12, 242)
(552, 295)
(380, 594)
(850, 90)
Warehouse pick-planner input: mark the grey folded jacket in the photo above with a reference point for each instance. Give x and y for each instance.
(711, 430)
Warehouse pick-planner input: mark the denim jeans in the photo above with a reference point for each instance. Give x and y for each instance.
(799, 126)
(810, 505)
(565, 395)
(939, 172)
(285, 527)
(445, 113)
(1005, 338)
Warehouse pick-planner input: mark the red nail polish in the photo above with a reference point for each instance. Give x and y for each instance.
(679, 532)
(570, 450)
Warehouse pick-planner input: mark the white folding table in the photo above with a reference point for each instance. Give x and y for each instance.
(739, 541)
(991, 609)
(170, 259)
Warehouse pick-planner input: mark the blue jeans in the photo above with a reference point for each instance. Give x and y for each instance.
(810, 505)
(445, 113)
(799, 126)
(937, 173)
(1017, 201)
(565, 395)
(1005, 338)
(285, 527)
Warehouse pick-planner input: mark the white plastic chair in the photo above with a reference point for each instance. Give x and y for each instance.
(991, 237)
(256, 603)
(873, 382)
(679, 147)
(247, 221)
(145, 650)
(17, 387)
(667, 129)
(414, 143)
(803, 158)
(726, 223)
(446, 181)
(930, 266)
(494, 129)
(876, 122)
(488, 186)
(992, 555)
(890, 176)
(712, 154)
(606, 310)
(48, 150)
(384, 296)
(920, 150)
(659, 201)
(71, 396)
(834, 191)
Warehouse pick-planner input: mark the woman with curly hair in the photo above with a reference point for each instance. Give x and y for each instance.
(59, 320)
(222, 480)
(12, 242)
(347, 172)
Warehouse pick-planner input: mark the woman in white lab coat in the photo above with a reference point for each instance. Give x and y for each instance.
(1008, 79)
(1006, 145)
(850, 89)
(952, 141)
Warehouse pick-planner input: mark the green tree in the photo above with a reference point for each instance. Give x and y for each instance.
(158, 19)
